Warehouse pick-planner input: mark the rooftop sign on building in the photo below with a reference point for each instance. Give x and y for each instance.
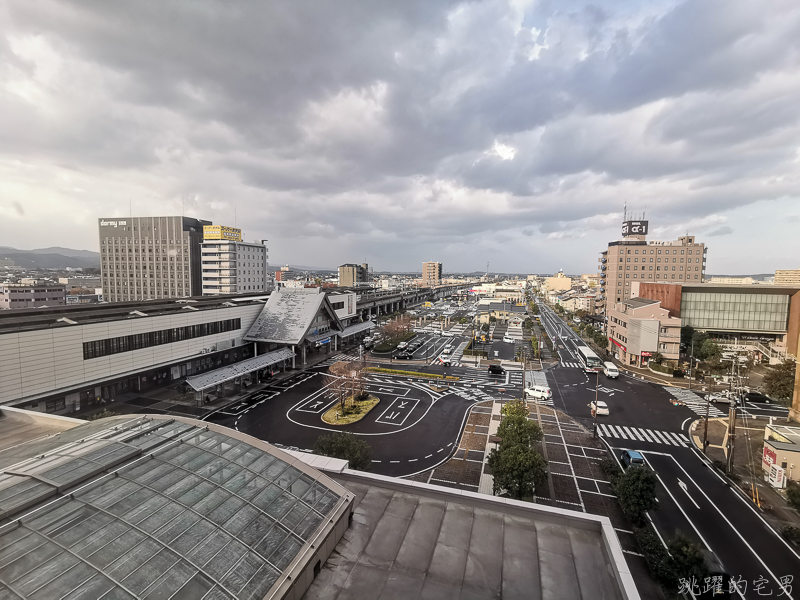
(634, 227)
(221, 232)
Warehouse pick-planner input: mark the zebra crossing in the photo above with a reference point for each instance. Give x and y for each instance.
(336, 358)
(639, 434)
(573, 365)
(695, 403)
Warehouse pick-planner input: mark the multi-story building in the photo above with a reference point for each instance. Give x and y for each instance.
(761, 319)
(640, 327)
(558, 283)
(145, 258)
(231, 266)
(351, 274)
(18, 295)
(787, 277)
(84, 283)
(431, 273)
(633, 259)
(733, 280)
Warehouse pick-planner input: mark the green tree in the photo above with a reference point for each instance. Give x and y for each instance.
(485, 327)
(517, 469)
(708, 349)
(685, 561)
(793, 496)
(687, 333)
(346, 446)
(518, 429)
(527, 323)
(463, 320)
(515, 408)
(636, 491)
(535, 308)
(779, 381)
(657, 358)
(492, 319)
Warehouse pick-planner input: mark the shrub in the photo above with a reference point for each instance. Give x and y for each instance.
(347, 447)
(793, 496)
(103, 414)
(791, 534)
(636, 490)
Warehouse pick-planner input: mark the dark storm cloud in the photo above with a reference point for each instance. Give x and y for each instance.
(386, 125)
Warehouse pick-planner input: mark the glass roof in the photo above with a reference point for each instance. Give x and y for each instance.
(169, 510)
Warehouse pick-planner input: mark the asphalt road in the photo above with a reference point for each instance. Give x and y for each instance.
(693, 498)
(414, 428)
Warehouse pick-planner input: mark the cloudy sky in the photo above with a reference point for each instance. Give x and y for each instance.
(396, 132)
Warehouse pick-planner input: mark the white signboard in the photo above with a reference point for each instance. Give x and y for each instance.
(777, 476)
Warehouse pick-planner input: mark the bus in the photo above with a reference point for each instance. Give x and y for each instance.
(589, 360)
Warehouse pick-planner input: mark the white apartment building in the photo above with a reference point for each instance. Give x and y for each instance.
(234, 267)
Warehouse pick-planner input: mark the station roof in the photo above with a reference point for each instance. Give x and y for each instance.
(288, 316)
(21, 319)
(158, 507)
(357, 328)
(230, 372)
(415, 540)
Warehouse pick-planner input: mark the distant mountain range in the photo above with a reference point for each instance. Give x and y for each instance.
(51, 258)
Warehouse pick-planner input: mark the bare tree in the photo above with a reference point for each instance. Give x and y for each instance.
(347, 381)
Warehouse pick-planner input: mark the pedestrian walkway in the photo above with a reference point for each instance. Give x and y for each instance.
(570, 364)
(336, 358)
(640, 434)
(695, 403)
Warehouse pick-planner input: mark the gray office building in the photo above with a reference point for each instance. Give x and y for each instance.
(351, 274)
(144, 258)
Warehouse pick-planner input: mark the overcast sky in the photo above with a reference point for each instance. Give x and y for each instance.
(401, 131)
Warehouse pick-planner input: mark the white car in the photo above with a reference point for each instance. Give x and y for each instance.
(508, 340)
(402, 345)
(602, 407)
(722, 397)
(538, 392)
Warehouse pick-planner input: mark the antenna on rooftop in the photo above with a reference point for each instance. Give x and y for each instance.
(625, 211)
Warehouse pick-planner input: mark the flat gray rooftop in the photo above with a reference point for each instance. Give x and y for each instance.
(408, 541)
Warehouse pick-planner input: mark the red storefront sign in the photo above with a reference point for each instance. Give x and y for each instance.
(645, 353)
(613, 341)
(770, 457)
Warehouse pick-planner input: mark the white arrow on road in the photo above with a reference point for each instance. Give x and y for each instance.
(686, 491)
(384, 389)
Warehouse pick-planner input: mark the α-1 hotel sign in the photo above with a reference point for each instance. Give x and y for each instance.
(634, 227)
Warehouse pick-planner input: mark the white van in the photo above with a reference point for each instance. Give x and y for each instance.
(538, 392)
(508, 340)
(610, 369)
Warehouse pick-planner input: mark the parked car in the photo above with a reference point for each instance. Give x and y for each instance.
(631, 458)
(602, 407)
(405, 356)
(402, 345)
(496, 370)
(508, 340)
(539, 392)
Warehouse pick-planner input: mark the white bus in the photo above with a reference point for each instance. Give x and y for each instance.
(589, 360)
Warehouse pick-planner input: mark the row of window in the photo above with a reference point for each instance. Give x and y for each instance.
(650, 276)
(137, 341)
(697, 260)
(665, 252)
(658, 268)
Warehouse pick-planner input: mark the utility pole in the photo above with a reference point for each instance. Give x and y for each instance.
(731, 437)
(596, 383)
(691, 362)
(705, 427)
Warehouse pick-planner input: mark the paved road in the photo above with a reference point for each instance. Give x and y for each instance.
(693, 498)
(414, 428)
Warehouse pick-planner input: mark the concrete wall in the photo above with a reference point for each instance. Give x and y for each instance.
(642, 335)
(46, 360)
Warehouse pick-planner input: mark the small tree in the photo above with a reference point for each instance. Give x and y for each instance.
(518, 469)
(492, 319)
(485, 327)
(346, 446)
(657, 358)
(779, 380)
(685, 561)
(636, 490)
(517, 429)
(515, 408)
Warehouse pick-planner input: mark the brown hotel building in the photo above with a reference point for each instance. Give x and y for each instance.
(633, 259)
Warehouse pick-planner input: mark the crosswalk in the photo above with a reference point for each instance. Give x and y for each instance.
(640, 434)
(572, 365)
(694, 402)
(336, 358)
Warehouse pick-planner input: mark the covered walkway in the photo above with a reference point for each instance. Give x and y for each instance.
(236, 374)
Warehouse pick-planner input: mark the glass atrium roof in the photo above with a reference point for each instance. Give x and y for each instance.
(153, 508)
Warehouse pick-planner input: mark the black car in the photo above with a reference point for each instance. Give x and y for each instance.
(757, 397)
(405, 356)
(496, 370)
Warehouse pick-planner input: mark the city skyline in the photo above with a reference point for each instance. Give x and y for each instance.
(463, 133)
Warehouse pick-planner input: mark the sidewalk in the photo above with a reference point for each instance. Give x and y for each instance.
(747, 470)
